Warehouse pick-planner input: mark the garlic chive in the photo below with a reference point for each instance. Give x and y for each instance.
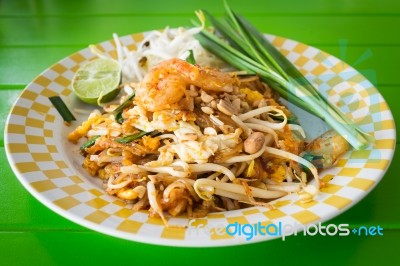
(245, 48)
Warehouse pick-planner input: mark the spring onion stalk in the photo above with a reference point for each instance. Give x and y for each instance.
(131, 138)
(245, 48)
(118, 111)
(62, 109)
(89, 142)
(190, 59)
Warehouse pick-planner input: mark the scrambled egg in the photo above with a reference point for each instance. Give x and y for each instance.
(251, 95)
(193, 145)
(201, 149)
(161, 120)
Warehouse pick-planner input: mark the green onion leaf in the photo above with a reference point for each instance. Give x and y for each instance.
(89, 142)
(316, 160)
(292, 119)
(245, 48)
(190, 59)
(311, 157)
(118, 111)
(119, 118)
(131, 138)
(62, 109)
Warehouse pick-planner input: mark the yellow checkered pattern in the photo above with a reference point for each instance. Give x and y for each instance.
(36, 144)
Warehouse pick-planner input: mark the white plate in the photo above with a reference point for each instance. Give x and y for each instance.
(49, 167)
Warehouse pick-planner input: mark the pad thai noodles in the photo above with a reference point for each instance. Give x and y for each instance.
(193, 139)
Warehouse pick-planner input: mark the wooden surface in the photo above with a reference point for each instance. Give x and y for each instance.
(36, 34)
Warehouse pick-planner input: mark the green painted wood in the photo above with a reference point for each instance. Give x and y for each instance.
(19, 66)
(329, 29)
(9, 98)
(20, 211)
(37, 33)
(86, 248)
(173, 7)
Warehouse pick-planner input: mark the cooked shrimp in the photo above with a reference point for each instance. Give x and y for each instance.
(164, 86)
(324, 150)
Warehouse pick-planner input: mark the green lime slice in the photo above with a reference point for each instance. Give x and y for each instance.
(97, 79)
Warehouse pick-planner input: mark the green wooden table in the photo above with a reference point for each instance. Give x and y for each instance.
(35, 34)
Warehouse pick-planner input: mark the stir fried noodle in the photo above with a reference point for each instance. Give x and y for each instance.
(193, 139)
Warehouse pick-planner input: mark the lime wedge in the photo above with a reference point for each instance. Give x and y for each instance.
(97, 79)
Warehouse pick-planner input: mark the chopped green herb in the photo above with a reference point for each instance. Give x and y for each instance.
(316, 160)
(119, 118)
(190, 59)
(118, 111)
(292, 119)
(62, 109)
(89, 143)
(131, 138)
